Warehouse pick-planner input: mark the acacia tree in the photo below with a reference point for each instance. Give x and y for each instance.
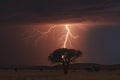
(64, 56)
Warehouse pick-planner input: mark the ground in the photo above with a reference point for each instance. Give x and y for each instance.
(58, 75)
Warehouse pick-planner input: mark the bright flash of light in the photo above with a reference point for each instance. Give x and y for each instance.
(67, 36)
(63, 56)
(65, 40)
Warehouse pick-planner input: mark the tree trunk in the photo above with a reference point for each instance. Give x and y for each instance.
(65, 67)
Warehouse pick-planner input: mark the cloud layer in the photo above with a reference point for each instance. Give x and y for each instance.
(51, 11)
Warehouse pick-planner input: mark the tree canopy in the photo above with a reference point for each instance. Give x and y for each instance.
(62, 54)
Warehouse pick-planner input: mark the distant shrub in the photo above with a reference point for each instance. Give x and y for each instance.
(73, 71)
(16, 69)
(41, 69)
(93, 69)
(112, 69)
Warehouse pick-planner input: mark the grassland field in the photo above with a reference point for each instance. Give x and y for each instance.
(58, 75)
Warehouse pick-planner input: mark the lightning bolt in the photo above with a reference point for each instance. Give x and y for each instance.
(66, 38)
(48, 30)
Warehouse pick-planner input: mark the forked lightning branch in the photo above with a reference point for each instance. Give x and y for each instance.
(65, 39)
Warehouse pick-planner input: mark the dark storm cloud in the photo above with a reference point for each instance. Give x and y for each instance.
(40, 11)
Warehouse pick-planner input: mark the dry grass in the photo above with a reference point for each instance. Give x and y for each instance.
(58, 75)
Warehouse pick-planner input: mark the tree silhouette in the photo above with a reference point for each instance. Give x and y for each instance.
(64, 56)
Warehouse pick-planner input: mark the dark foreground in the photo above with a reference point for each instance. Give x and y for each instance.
(76, 72)
(58, 75)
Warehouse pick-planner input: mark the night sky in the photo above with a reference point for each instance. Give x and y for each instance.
(21, 21)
